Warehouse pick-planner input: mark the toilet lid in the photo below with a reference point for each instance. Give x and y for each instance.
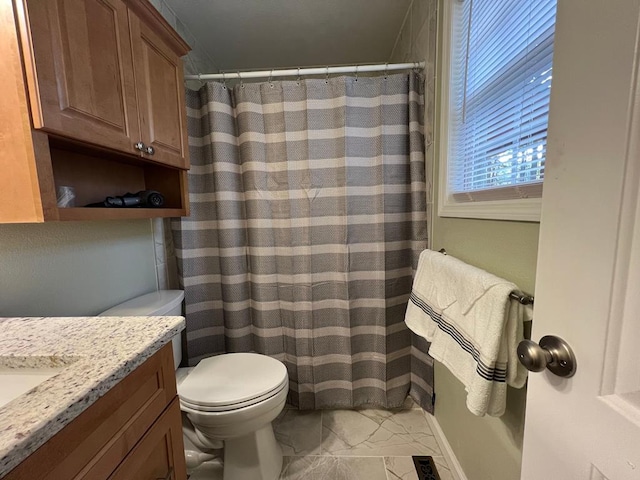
(231, 379)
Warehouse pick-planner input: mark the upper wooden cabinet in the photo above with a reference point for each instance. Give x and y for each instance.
(92, 98)
(84, 81)
(161, 106)
(108, 72)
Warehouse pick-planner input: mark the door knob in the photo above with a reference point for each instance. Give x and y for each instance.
(552, 352)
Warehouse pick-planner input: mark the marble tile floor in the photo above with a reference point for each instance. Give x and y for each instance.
(351, 445)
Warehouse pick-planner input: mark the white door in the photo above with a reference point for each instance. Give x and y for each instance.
(588, 279)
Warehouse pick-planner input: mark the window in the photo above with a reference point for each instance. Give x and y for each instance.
(498, 56)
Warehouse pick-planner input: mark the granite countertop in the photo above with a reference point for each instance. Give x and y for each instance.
(95, 353)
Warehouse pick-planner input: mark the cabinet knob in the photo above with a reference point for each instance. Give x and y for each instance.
(139, 146)
(150, 150)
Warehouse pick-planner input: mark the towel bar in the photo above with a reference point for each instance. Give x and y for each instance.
(523, 298)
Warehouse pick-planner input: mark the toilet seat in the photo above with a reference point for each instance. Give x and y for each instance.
(234, 406)
(232, 381)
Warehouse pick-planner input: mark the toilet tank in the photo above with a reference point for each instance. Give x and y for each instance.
(160, 303)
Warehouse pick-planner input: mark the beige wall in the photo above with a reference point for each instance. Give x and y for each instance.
(74, 268)
(487, 448)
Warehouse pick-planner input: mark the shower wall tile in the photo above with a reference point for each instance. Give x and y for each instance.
(166, 262)
(403, 46)
(161, 274)
(197, 60)
(168, 14)
(417, 41)
(420, 44)
(419, 14)
(185, 33)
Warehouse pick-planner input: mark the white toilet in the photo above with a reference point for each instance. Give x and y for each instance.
(231, 398)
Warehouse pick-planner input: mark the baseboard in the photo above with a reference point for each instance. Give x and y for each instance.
(447, 451)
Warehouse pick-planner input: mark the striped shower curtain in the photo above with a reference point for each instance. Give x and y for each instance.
(307, 217)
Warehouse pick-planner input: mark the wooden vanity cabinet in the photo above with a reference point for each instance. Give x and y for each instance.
(133, 432)
(154, 457)
(93, 98)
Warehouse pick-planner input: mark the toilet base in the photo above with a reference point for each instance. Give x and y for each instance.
(256, 456)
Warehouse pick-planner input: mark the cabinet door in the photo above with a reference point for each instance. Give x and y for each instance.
(160, 453)
(84, 87)
(161, 96)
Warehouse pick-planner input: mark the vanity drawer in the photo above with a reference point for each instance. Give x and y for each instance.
(159, 455)
(94, 444)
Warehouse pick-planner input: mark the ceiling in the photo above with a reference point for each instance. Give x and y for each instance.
(262, 34)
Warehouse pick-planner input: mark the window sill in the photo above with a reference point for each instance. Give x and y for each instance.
(525, 210)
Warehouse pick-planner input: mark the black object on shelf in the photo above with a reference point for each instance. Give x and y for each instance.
(142, 199)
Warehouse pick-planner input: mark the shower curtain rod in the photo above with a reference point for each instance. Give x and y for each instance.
(293, 72)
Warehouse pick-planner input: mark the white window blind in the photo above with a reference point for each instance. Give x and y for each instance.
(501, 79)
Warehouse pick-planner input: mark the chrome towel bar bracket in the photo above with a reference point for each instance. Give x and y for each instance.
(523, 298)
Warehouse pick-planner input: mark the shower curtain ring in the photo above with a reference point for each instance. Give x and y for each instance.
(356, 73)
(224, 81)
(270, 78)
(386, 70)
(240, 78)
(298, 76)
(326, 78)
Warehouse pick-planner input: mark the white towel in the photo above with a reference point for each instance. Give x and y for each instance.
(473, 326)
